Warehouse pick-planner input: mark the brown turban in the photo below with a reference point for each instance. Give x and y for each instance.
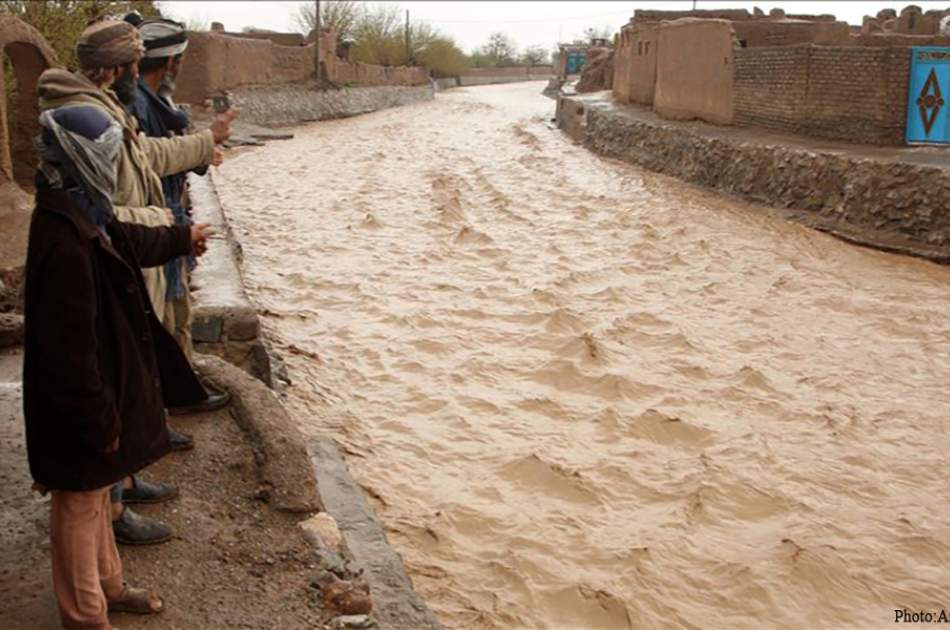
(109, 43)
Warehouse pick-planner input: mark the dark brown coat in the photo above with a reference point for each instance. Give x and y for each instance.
(97, 362)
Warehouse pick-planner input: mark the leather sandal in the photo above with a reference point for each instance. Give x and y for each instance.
(137, 601)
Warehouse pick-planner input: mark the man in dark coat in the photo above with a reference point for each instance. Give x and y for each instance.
(99, 368)
(165, 44)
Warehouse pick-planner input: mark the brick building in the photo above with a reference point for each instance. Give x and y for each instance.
(809, 75)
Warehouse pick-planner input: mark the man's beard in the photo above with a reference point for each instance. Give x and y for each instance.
(124, 88)
(167, 87)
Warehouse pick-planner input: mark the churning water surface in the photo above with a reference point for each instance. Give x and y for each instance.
(582, 395)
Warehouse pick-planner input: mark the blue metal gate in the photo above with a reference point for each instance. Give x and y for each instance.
(575, 61)
(927, 110)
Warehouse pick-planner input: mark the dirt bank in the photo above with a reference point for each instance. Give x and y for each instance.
(238, 559)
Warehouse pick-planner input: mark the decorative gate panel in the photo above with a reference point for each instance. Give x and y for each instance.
(575, 61)
(928, 103)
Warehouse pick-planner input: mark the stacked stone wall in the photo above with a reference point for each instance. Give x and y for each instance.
(852, 93)
(885, 203)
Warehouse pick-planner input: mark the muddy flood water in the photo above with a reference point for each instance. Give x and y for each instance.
(582, 395)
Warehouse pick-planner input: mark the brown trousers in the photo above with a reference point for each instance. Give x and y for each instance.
(87, 570)
(177, 318)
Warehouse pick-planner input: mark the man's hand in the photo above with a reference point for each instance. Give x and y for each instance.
(170, 216)
(221, 127)
(218, 158)
(199, 238)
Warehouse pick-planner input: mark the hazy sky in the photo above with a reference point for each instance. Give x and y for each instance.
(528, 23)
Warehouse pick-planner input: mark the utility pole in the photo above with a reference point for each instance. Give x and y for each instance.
(316, 42)
(408, 43)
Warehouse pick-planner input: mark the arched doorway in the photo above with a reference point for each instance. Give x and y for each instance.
(26, 55)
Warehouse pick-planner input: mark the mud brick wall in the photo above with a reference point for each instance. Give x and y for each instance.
(695, 71)
(852, 93)
(771, 87)
(216, 63)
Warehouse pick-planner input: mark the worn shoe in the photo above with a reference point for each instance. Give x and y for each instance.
(180, 441)
(146, 492)
(213, 402)
(134, 529)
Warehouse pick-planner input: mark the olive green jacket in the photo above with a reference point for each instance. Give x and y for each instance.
(142, 163)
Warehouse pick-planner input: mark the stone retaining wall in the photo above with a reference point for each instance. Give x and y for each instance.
(491, 76)
(888, 204)
(445, 83)
(291, 104)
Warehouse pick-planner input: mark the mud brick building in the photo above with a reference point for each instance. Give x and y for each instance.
(807, 75)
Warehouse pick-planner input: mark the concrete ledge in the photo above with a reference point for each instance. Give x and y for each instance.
(892, 199)
(225, 322)
(295, 103)
(283, 465)
(395, 604)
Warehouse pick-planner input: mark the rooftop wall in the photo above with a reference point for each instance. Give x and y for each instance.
(635, 63)
(852, 93)
(694, 70)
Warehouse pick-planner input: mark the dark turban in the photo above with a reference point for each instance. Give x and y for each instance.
(109, 43)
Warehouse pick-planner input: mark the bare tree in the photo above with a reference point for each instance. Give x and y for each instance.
(534, 56)
(501, 49)
(343, 16)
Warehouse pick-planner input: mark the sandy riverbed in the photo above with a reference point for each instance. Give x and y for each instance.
(586, 396)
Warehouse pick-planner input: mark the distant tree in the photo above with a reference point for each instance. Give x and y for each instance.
(443, 58)
(380, 38)
(500, 48)
(535, 56)
(342, 16)
(478, 59)
(60, 22)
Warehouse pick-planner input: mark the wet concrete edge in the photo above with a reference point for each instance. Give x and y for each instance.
(573, 117)
(395, 603)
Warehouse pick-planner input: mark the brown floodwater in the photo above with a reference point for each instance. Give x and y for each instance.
(582, 395)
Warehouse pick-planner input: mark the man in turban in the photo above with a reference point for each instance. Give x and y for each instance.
(165, 43)
(96, 359)
(108, 52)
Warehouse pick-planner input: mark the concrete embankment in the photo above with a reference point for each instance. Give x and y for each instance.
(891, 199)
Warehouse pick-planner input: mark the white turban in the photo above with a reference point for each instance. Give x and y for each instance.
(163, 38)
